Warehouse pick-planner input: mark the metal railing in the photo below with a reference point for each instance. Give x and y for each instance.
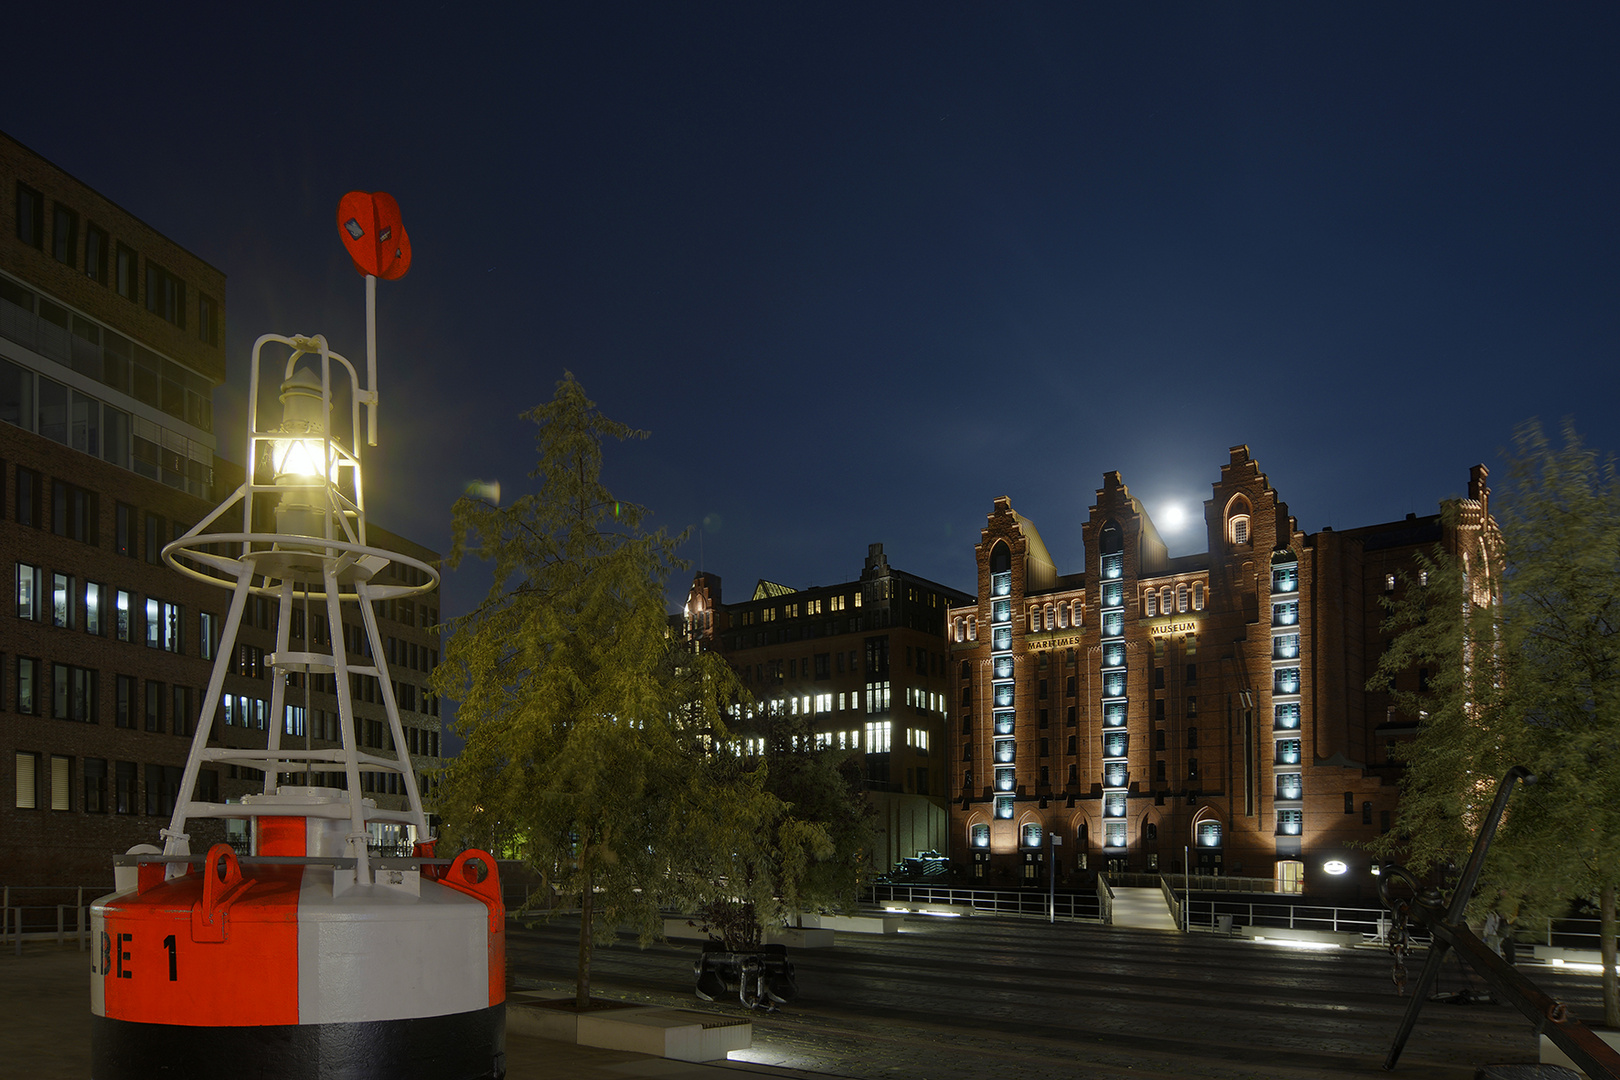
(1081, 906)
(44, 912)
(1173, 899)
(1105, 899)
(1207, 914)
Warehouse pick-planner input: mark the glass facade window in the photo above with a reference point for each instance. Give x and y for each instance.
(1113, 567)
(1006, 779)
(1114, 684)
(1002, 667)
(93, 594)
(1285, 681)
(1003, 692)
(1001, 584)
(1290, 822)
(1004, 722)
(1031, 835)
(1001, 638)
(1004, 749)
(1113, 624)
(1285, 647)
(1287, 751)
(1288, 785)
(1113, 655)
(1287, 716)
(1004, 806)
(1285, 579)
(979, 836)
(1001, 611)
(1114, 744)
(1114, 805)
(1285, 614)
(1113, 593)
(1113, 834)
(1209, 834)
(1114, 714)
(1114, 774)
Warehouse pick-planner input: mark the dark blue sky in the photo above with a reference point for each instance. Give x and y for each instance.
(863, 268)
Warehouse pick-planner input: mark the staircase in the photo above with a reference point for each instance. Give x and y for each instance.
(1142, 909)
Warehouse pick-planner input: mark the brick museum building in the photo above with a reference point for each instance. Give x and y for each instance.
(1151, 712)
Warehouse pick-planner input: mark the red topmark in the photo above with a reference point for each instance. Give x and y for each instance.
(371, 230)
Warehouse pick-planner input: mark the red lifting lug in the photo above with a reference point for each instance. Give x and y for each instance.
(474, 873)
(423, 849)
(223, 885)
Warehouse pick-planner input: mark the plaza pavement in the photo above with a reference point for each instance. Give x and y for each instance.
(45, 998)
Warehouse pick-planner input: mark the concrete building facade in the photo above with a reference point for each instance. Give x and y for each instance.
(111, 345)
(1205, 711)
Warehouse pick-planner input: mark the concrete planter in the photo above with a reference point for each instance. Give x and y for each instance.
(641, 1029)
(1551, 1055)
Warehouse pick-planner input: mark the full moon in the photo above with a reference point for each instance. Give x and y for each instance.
(1173, 516)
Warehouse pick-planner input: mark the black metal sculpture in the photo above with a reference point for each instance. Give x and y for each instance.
(763, 978)
(1427, 910)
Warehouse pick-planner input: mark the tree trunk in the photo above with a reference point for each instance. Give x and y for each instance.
(582, 974)
(1606, 931)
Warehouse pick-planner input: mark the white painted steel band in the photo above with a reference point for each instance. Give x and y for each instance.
(377, 953)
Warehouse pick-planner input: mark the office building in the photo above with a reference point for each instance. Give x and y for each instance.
(858, 669)
(111, 346)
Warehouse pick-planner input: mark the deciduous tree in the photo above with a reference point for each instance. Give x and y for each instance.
(590, 733)
(1524, 649)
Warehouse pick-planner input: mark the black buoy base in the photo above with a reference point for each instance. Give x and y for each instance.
(461, 1046)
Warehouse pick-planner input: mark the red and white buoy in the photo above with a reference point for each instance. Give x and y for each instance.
(309, 957)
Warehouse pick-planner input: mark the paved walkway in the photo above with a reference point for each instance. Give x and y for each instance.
(45, 999)
(1142, 909)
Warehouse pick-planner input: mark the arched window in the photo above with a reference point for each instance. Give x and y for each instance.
(1150, 604)
(1062, 616)
(1076, 613)
(979, 836)
(1151, 833)
(1000, 559)
(1167, 599)
(1209, 833)
(973, 628)
(1181, 597)
(1237, 521)
(1030, 835)
(1051, 617)
(1198, 596)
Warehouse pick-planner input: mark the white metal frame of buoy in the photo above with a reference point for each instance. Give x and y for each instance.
(330, 566)
(309, 958)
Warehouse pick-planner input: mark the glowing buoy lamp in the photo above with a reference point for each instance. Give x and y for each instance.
(307, 956)
(1335, 867)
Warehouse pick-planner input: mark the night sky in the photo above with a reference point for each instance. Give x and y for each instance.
(861, 269)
